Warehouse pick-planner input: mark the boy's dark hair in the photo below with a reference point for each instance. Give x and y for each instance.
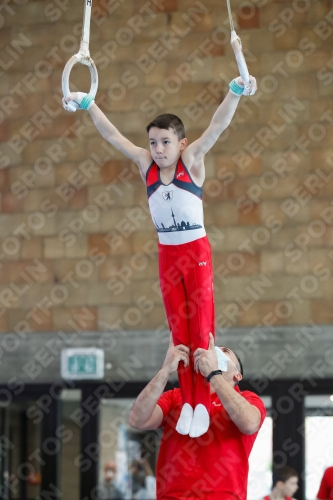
(284, 474)
(167, 120)
(241, 370)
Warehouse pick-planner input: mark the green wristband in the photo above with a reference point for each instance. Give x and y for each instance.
(86, 101)
(235, 88)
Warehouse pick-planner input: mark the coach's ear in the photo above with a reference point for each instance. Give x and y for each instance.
(238, 377)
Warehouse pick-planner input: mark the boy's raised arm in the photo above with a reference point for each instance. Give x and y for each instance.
(140, 156)
(112, 135)
(194, 153)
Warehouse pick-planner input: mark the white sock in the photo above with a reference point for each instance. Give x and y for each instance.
(200, 421)
(185, 419)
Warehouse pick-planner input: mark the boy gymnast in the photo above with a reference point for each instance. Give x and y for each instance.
(174, 173)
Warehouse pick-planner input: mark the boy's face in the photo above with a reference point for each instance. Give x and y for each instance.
(289, 487)
(165, 147)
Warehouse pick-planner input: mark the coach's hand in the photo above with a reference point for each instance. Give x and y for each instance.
(205, 361)
(174, 355)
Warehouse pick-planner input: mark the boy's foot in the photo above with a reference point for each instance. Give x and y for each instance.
(185, 419)
(200, 421)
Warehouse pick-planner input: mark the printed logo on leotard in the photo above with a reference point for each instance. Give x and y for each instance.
(176, 226)
(167, 195)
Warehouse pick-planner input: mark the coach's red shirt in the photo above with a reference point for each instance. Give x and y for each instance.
(211, 467)
(326, 487)
(267, 497)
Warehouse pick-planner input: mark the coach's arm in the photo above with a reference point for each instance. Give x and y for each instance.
(146, 414)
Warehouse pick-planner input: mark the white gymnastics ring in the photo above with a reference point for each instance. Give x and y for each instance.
(68, 68)
(82, 57)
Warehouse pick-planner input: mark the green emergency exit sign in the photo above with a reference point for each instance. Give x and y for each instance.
(82, 363)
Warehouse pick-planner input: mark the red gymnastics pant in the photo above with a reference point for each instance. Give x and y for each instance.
(186, 278)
